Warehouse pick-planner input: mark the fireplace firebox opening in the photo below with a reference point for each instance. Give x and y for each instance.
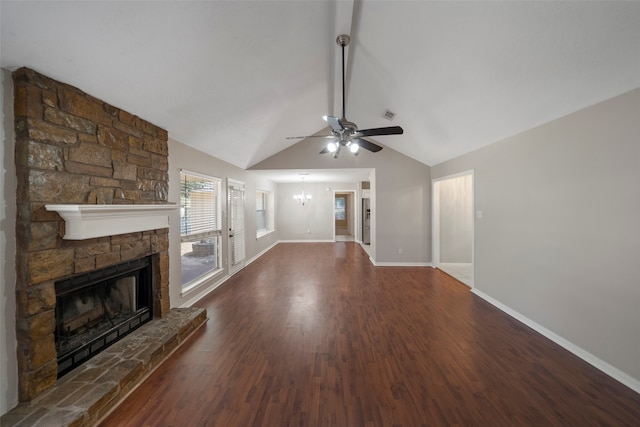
(97, 309)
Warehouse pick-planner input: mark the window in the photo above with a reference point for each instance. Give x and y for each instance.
(261, 211)
(341, 208)
(200, 227)
(264, 212)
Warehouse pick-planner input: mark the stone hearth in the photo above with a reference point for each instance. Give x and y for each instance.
(87, 394)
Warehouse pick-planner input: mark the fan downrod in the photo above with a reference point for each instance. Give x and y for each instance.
(345, 133)
(343, 40)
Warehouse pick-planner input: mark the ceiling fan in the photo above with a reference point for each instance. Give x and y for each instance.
(345, 133)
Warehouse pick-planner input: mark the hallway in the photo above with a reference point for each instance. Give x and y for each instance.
(344, 238)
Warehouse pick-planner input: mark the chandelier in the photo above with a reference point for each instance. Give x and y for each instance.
(302, 198)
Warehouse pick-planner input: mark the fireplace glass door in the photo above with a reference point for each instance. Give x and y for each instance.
(95, 310)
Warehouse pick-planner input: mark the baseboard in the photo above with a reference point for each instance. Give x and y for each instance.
(400, 264)
(596, 362)
(205, 291)
(264, 251)
(306, 241)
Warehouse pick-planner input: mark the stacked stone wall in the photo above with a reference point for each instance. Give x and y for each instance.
(72, 148)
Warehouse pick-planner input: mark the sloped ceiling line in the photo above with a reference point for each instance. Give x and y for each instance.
(234, 79)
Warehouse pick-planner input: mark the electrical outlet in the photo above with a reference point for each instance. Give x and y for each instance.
(400, 251)
(308, 231)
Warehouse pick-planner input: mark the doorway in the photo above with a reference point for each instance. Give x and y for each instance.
(453, 227)
(344, 216)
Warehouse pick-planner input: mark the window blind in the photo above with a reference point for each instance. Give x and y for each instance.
(236, 219)
(199, 205)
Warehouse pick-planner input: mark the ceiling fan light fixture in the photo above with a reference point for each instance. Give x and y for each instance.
(343, 130)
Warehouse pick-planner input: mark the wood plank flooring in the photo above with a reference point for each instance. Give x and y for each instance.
(312, 334)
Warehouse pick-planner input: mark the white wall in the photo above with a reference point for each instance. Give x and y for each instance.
(559, 240)
(8, 343)
(400, 200)
(456, 219)
(182, 156)
(315, 220)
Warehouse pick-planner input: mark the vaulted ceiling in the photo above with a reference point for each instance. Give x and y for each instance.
(235, 78)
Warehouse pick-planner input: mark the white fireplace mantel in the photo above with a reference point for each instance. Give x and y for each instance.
(90, 221)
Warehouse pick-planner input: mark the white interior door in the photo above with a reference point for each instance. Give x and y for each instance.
(235, 203)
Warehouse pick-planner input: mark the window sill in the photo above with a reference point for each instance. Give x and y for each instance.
(263, 233)
(199, 282)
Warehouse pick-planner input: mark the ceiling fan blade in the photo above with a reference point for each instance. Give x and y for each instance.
(367, 145)
(312, 136)
(391, 130)
(334, 122)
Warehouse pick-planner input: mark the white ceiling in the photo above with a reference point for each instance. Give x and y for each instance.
(235, 78)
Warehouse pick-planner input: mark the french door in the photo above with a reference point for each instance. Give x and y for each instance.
(235, 203)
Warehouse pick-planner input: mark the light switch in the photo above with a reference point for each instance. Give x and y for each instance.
(478, 214)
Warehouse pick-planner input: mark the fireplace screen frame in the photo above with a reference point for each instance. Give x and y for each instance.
(142, 270)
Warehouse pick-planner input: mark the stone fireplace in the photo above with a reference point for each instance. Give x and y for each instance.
(72, 148)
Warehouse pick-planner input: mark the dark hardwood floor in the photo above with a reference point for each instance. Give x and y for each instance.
(312, 334)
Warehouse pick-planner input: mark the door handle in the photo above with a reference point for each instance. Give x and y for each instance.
(230, 235)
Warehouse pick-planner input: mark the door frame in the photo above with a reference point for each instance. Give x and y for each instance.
(234, 268)
(353, 214)
(435, 224)
(347, 209)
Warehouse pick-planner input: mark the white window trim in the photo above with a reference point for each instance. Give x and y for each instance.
(263, 233)
(200, 281)
(270, 214)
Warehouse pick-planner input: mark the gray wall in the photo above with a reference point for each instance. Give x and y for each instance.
(456, 219)
(559, 241)
(313, 221)
(8, 343)
(400, 200)
(184, 157)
